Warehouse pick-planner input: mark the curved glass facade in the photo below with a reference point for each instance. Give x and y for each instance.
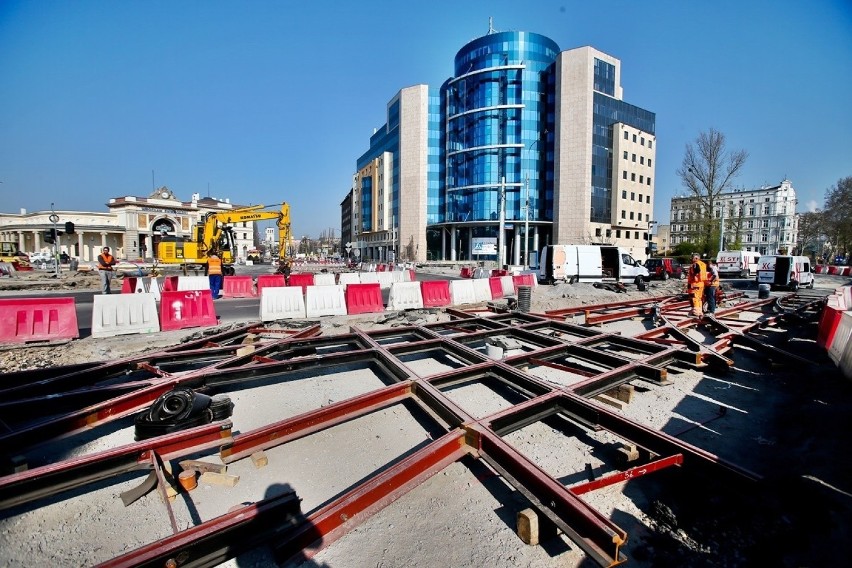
(499, 118)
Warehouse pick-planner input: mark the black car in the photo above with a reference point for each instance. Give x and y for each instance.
(64, 258)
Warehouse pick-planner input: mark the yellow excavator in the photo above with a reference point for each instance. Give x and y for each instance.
(216, 234)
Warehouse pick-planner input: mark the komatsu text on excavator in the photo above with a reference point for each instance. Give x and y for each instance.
(216, 233)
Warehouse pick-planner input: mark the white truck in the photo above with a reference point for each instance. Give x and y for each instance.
(737, 263)
(785, 271)
(589, 263)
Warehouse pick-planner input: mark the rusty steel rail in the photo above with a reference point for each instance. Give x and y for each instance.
(603, 360)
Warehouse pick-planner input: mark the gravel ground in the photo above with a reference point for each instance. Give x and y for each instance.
(787, 425)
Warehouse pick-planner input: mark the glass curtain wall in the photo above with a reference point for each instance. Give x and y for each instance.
(498, 113)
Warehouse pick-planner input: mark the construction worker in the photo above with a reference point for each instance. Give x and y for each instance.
(105, 263)
(712, 286)
(214, 274)
(695, 279)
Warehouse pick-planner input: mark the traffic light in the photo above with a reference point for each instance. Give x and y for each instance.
(50, 236)
(69, 228)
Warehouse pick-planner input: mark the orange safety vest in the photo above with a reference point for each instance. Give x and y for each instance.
(105, 261)
(214, 266)
(699, 278)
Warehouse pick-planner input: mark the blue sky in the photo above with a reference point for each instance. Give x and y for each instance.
(264, 102)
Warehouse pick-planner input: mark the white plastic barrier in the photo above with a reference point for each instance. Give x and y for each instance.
(845, 359)
(405, 296)
(508, 285)
(123, 314)
(324, 279)
(278, 302)
(842, 338)
(461, 292)
(385, 279)
(482, 289)
(397, 276)
(481, 273)
(193, 283)
(406, 276)
(369, 278)
(325, 301)
(346, 278)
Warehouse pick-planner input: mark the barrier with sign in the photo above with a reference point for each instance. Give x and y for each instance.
(187, 308)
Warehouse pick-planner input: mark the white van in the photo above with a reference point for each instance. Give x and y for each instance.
(785, 271)
(737, 263)
(588, 263)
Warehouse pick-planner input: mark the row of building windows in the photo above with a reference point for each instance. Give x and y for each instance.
(642, 141)
(646, 198)
(636, 234)
(641, 159)
(750, 212)
(638, 216)
(642, 179)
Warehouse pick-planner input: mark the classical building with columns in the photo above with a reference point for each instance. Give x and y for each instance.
(132, 227)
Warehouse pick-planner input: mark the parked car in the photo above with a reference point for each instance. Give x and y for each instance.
(665, 268)
(64, 258)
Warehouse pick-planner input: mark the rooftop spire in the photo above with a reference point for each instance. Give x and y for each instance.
(491, 29)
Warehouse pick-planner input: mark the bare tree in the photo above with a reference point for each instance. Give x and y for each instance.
(838, 215)
(708, 170)
(811, 228)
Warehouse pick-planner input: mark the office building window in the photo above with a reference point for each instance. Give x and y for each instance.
(623, 214)
(641, 179)
(642, 160)
(632, 177)
(631, 215)
(633, 158)
(648, 197)
(598, 232)
(649, 181)
(650, 144)
(625, 154)
(624, 174)
(632, 196)
(625, 135)
(636, 235)
(649, 162)
(643, 141)
(618, 233)
(634, 138)
(608, 233)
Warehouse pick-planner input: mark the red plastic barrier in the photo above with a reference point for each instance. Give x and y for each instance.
(833, 270)
(303, 279)
(237, 287)
(497, 273)
(847, 271)
(129, 285)
(381, 268)
(496, 288)
(37, 319)
(411, 274)
(522, 280)
(466, 272)
(829, 320)
(436, 293)
(819, 268)
(170, 284)
(188, 308)
(364, 299)
(270, 281)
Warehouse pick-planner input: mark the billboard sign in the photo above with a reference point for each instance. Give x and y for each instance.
(484, 245)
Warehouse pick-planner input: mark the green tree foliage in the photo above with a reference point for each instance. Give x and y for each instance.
(708, 170)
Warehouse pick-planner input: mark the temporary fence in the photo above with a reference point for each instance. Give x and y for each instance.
(24, 320)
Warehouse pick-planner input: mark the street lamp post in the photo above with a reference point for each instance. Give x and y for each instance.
(527, 213)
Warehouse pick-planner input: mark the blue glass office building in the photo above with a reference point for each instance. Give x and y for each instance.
(543, 128)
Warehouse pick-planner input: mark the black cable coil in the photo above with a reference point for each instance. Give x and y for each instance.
(178, 410)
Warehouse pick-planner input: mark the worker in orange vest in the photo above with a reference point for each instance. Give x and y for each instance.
(696, 277)
(105, 263)
(712, 286)
(214, 274)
